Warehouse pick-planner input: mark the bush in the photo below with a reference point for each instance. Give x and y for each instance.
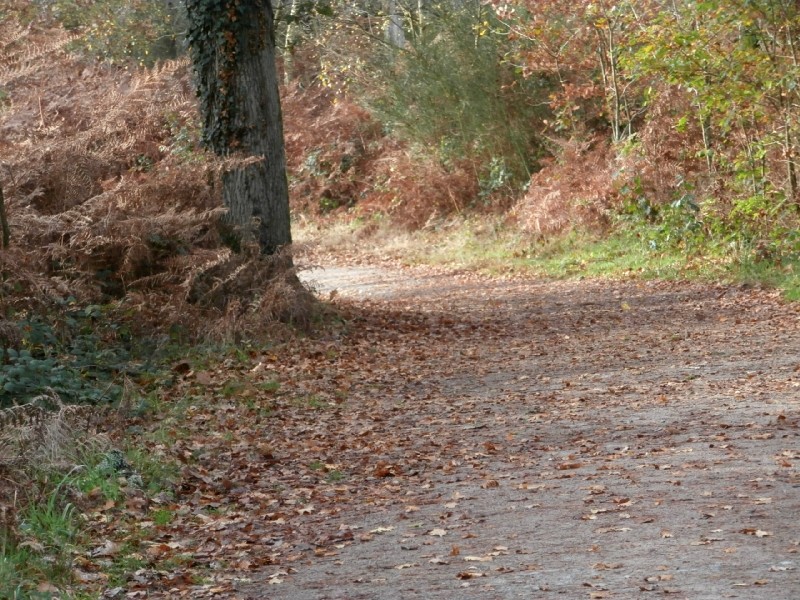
(118, 31)
(75, 365)
(450, 92)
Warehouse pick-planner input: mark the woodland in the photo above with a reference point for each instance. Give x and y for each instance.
(287, 286)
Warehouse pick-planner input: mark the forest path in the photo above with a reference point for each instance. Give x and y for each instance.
(501, 439)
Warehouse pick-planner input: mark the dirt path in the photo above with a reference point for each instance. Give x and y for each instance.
(523, 439)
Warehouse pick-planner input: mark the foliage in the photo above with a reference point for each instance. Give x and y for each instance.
(38, 545)
(86, 193)
(67, 358)
(121, 31)
(450, 92)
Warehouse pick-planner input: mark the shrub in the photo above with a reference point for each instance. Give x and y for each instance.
(138, 31)
(450, 92)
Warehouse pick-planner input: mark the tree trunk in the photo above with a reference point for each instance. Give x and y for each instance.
(4, 220)
(394, 26)
(233, 52)
(289, 43)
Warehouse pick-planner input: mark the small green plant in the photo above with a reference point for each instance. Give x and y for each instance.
(52, 523)
(232, 388)
(128, 560)
(335, 476)
(312, 401)
(96, 479)
(270, 387)
(327, 204)
(18, 566)
(23, 376)
(163, 517)
(496, 179)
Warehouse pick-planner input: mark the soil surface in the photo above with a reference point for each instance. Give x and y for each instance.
(541, 439)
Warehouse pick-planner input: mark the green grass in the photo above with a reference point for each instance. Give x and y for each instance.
(631, 250)
(586, 256)
(40, 550)
(50, 528)
(335, 476)
(270, 387)
(125, 562)
(163, 517)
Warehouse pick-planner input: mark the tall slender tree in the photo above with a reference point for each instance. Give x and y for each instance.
(232, 46)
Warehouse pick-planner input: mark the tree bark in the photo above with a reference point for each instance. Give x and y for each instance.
(238, 87)
(4, 220)
(394, 26)
(289, 43)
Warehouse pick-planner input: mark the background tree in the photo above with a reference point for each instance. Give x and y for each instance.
(232, 46)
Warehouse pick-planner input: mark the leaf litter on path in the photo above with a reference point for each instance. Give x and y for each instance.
(594, 445)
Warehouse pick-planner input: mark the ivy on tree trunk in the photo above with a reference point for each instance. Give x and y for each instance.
(233, 53)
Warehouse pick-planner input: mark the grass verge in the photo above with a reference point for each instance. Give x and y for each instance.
(627, 251)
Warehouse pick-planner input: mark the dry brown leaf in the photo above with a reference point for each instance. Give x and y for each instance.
(470, 574)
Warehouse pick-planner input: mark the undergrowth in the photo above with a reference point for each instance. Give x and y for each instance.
(51, 526)
(72, 480)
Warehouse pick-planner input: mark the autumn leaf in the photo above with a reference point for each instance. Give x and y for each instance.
(756, 532)
(470, 574)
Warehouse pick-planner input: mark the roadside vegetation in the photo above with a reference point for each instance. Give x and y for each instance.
(563, 139)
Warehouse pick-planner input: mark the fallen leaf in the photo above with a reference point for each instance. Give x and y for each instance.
(606, 566)
(567, 466)
(204, 378)
(612, 529)
(756, 532)
(437, 532)
(158, 550)
(382, 529)
(384, 469)
(33, 545)
(85, 577)
(276, 578)
(470, 574)
(109, 548)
